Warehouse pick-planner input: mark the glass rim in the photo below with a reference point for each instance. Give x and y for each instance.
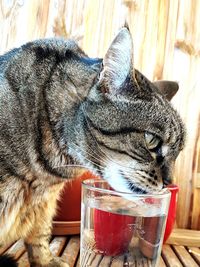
(173, 187)
(88, 184)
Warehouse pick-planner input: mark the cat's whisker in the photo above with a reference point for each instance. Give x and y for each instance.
(128, 170)
(69, 165)
(89, 153)
(101, 149)
(90, 161)
(93, 153)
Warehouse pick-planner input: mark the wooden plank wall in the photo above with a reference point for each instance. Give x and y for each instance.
(167, 46)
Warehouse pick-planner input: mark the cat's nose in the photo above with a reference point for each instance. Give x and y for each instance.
(166, 172)
(167, 181)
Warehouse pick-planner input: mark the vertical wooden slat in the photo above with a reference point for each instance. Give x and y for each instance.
(163, 16)
(101, 16)
(173, 9)
(22, 21)
(186, 64)
(195, 220)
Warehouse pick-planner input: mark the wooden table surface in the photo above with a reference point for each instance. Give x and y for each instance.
(68, 248)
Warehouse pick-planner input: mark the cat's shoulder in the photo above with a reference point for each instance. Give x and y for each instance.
(51, 44)
(39, 50)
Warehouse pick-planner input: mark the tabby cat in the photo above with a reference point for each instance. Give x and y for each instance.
(60, 109)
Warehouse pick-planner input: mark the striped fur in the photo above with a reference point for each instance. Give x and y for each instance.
(59, 110)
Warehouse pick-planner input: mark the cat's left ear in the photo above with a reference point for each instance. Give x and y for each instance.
(167, 88)
(117, 62)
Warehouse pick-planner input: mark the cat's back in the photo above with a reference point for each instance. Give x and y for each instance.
(7, 57)
(25, 70)
(16, 105)
(8, 96)
(25, 74)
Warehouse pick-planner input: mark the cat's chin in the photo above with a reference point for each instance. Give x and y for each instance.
(123, 187)
(137, 190)
(120, 183)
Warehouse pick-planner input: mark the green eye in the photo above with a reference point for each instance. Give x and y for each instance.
(153, 142)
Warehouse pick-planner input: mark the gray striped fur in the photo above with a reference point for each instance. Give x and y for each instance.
(59, 110)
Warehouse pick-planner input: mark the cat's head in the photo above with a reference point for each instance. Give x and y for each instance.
(133, 135)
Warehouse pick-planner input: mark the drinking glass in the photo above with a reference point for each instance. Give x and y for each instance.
(121, 229)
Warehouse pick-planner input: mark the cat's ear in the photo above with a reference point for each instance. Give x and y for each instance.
(117, 61)
(167, 88)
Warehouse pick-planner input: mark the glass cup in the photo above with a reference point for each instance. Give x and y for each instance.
(121, 229)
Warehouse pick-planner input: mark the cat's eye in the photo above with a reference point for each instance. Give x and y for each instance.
(153, 142)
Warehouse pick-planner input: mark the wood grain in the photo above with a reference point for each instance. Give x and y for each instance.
(170, 257)
(4, 248)
(195, 216)
(184, 237)
(162, 263)
(96, 261)
(105, 262)
(71, 251)
(17, 249)
(57, 244)
(184, 256)
(195, 253)
(117, 261)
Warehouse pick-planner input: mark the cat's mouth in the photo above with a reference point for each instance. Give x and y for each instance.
(141, 188)
(134, 188)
